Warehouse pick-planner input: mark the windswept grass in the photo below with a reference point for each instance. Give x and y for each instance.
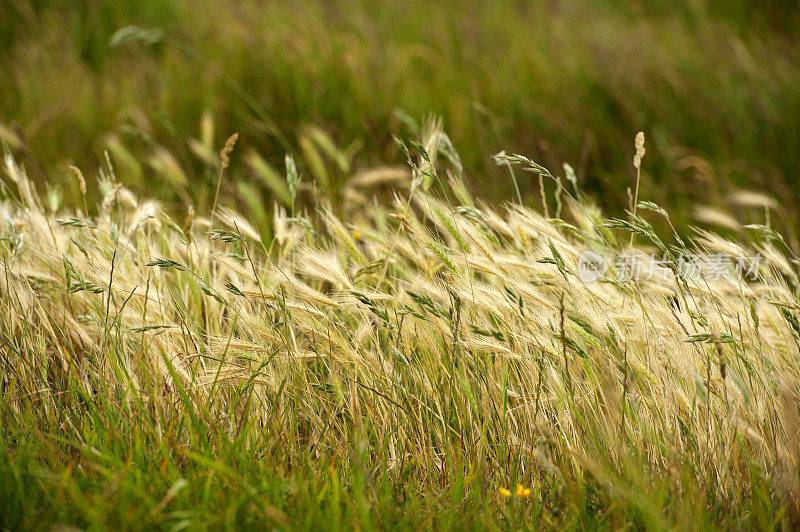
(427, 362)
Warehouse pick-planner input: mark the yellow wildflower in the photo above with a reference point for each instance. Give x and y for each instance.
(522, 491)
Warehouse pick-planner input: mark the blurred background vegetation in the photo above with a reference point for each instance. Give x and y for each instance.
(714, 85)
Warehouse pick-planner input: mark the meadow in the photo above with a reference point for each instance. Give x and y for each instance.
(161, 85)
(315, 266)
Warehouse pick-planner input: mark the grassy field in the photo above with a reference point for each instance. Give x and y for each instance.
(714, 88)
(432, 362)
(353, 315)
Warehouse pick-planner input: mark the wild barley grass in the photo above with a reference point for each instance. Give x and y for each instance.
(405, 365)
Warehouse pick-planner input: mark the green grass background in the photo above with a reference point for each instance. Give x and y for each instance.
(713, 85)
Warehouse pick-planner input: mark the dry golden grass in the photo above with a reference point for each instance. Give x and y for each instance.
(444, 326)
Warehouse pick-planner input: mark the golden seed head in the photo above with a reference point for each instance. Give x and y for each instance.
(111, 198)
(226, 150)
(79, 176)
(638, 143)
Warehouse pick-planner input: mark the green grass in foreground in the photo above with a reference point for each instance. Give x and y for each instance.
(427, 363)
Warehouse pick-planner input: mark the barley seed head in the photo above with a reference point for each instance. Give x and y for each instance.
(639, 145)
